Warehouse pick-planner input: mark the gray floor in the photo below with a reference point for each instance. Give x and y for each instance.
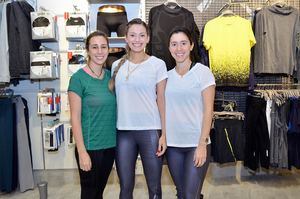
(232, 182)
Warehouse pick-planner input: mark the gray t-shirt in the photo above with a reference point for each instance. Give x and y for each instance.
(276, 30)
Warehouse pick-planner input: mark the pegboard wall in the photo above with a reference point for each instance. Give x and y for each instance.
(205, 10)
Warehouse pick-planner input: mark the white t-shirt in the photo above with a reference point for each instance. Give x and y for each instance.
(268, 115)
(136, 96)
(184, 105)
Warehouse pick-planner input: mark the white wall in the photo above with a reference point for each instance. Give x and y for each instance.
(64, 157)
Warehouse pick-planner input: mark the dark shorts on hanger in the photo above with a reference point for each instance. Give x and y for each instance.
(114, 54)
(112, 22)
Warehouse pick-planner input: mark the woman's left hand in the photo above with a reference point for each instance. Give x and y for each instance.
(200, 155)
(162, 145)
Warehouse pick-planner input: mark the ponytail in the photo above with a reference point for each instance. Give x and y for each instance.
(111, 84)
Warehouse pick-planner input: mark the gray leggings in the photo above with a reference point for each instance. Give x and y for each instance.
(129, 145)
(187, 178)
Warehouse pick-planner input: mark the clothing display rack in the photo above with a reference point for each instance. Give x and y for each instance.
(203, 12)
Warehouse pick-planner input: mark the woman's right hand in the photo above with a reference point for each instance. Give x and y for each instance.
(85, 161)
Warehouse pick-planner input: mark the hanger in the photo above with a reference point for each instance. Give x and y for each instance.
(172, 3)
(227, 105)
(279, 3)
(6, 93)
(3, 1)
(280, 93)
(229, 115)
(226, 11)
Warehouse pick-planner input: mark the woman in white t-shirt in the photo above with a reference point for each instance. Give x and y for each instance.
(189, 95)
(139, 81)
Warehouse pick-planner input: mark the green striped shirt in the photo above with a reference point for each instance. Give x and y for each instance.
(98, 110)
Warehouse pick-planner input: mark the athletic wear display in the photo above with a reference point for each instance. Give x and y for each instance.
(229, 40)
(16, 166)
(114, 55)
(48, 101)
(162, 19)
(277, 31)
(257, 143)
(228, 140)
(53, 136)
(20, 38)
(76, 60)
(278, 138)
(76, 26)
(112, 18)
(43, 65)
(4, 61)
(44, 25)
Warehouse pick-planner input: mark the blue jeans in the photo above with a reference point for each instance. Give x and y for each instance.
(129, 145)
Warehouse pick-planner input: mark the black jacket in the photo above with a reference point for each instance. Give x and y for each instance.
(19, 38)
(162, 20)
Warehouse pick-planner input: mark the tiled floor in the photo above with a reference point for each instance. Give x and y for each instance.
(225, 182)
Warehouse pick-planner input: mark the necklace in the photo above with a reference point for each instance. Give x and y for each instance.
(129, 72)
(98, 76)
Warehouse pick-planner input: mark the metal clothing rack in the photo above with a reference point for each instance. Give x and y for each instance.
(277, 86)
(6, 92)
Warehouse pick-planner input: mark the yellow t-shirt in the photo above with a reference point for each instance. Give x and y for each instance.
(229, 40)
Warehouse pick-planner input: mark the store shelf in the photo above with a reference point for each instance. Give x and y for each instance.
(115, 1)
(116, 39)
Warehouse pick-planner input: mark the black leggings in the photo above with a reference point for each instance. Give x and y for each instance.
(93, 182)
(112, 22)
(257, 143)
(187, 178)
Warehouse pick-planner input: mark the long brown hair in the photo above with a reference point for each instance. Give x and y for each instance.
(135, 21)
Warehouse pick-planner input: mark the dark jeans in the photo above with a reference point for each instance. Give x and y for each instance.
(187, 178)
(93, 182)
(129, 145)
